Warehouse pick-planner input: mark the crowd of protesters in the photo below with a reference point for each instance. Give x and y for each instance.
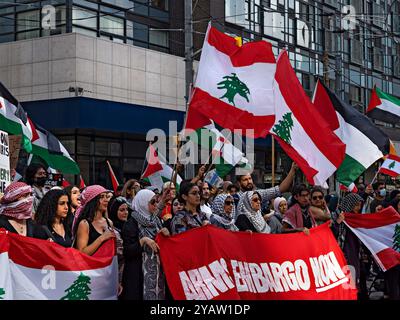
(135, 214)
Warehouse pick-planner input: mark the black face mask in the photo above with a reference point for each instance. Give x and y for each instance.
(41, 181)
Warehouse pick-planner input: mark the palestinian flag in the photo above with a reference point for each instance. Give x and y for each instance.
(157, 172)
(13, 118)
(391, 166)
(384, 107)
(49, 148)
(82, 184)
(225, 156)
(114, 180)
(301, 131)
(365, 143)
(33, 269)
(380, 233)
(234, 84)
(351, 188)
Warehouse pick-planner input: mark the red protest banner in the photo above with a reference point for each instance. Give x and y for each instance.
(211, 263)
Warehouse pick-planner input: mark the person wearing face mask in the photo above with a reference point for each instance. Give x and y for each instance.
(36, 176)
(16, 210)
(379, 201)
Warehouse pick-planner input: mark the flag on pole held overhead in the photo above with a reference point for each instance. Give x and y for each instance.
(380, 233)
(301, 131)
(13, 118)
(157, 172)
(51, 150)
(384, 106)
(391, 166)
(225, 155)
(34, 269)
(114, 180)
(351, 188)
(82, 184)
(365, 143)
(234, 83)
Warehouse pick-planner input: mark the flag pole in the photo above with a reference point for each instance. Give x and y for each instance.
(273, 160)
(376, 175)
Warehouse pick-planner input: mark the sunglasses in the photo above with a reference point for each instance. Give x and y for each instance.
(229, 203)
(256, 200)
(317, 197)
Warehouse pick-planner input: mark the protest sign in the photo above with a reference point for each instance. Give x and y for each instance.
(5, 176)
(210, 263)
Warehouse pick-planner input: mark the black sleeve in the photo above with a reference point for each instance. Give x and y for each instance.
(39, 232)
(130, 238)
(243, 223)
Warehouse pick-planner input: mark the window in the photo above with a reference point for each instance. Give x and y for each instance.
(28, 20)
(159, 38)
(126, 4)
(87, 4)
(235, 11)
(160, 4)
(7, 24)
(140, 32)
(84, 17)
(112, 24)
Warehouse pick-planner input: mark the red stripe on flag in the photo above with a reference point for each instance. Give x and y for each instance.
(153, 163)
(3, 240)
(389, 172)
(374, 102)
(35, 135)
(247, 54)
(231, 117)
(35, 253)
(312, 122)
(114, 180)
(393, 157)
(308, 171)
(82, 184)
(389, 257)
(373, 220)
(324, 106)
(195, 119)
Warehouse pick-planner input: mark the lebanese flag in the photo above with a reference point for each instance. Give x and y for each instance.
(33, 269)
(234, 84)
(391, 166)
(157, 172)
(380, 233)
(13, 118)
(114, 180)
(351, 188)
(365, 143)
(51, 150)
(384, 106)
(300, 130)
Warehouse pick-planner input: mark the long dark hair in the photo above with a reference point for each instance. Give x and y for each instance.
(47, 209)
(88, 212)
(113, 208)
(184, 190)
(31, 171)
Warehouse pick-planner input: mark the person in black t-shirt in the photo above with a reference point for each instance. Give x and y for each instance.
(52, 216)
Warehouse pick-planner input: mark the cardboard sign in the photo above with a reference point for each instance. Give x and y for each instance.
(15, 147)
(5, 176)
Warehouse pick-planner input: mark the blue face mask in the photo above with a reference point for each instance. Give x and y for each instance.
(382, 192)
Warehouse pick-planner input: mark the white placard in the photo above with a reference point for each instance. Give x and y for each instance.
(5, 176)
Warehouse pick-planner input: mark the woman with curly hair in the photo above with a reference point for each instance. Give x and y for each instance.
(91, 226)
(52, 214)
(74, 202)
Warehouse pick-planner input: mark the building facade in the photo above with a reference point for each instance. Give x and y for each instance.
(103, 56)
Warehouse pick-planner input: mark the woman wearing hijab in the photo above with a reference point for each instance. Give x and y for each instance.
(223, 211)
(145, 212)
(275, 220)
(249, 214)
(16, 210)
(118, 213)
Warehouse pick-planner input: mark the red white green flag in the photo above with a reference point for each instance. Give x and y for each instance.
(234, 84)
(33, 269)
(300, 130)
(391, 166)
(114, 180)
(380, 233)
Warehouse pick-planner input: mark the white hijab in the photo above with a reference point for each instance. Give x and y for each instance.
(141, 201)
